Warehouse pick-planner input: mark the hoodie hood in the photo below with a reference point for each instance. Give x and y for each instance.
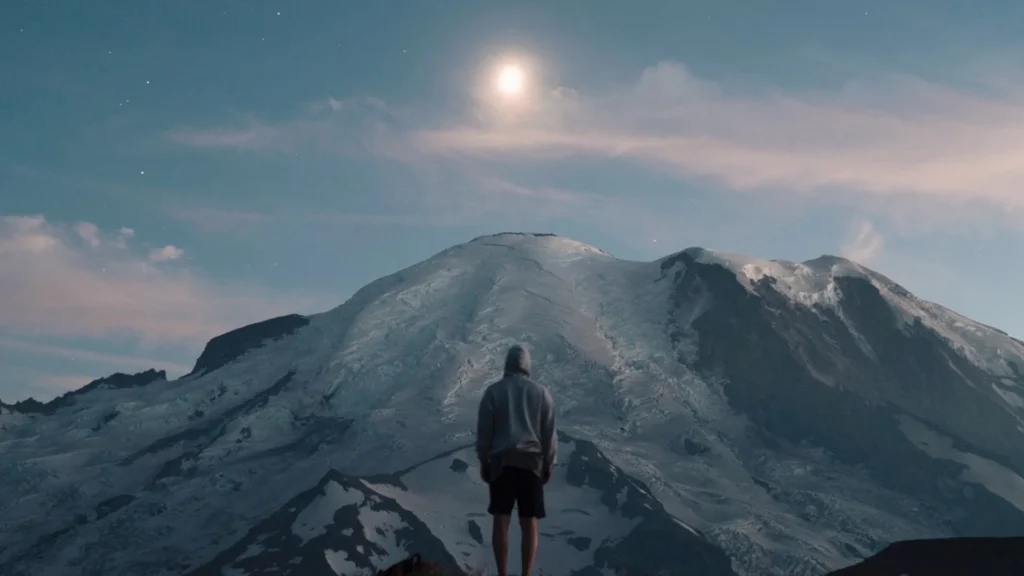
(517, 360)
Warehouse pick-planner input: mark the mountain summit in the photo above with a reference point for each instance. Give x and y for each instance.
(720, 415)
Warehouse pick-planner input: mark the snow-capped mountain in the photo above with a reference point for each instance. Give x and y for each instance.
(721, 415)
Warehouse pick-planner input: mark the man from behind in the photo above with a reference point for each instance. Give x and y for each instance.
(516, 444)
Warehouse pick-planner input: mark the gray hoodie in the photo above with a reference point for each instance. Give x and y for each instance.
(516, 422)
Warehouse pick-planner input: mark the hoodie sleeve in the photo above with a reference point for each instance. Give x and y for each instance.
(548, 434)
(485, 427)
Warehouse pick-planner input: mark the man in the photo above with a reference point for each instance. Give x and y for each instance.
(516, 445)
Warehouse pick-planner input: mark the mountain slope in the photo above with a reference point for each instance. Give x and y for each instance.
(797, 416)
(601, 519)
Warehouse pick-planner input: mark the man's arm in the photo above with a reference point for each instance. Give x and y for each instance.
(484, 428)
(548, 434)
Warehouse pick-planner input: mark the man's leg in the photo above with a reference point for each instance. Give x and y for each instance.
(502, 496)
(528, 525)
(530, 500)
(499, 542)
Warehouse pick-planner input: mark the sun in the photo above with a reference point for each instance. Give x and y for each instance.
(511, 80)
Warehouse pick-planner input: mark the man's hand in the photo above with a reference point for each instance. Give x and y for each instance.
(545, 475)
(485, 472)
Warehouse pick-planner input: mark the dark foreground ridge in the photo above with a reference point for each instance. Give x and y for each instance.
(231, 345)
(944, 557)
(939, 557)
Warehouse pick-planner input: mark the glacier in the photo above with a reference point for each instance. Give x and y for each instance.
(721, 414)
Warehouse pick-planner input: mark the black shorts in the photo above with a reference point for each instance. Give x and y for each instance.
(520, 488)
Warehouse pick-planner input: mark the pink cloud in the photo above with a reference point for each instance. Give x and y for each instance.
(55, 284)
(898, 136)
(88, 232)
(168, 253)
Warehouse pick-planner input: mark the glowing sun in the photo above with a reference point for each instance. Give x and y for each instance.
(511, 80)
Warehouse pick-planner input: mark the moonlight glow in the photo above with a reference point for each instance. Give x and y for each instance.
(511, 80)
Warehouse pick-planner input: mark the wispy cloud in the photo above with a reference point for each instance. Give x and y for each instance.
(213, 219)
(864, 243)
(111, 362)
(255, 135)
(917, 153)
(897, 135)
(330, 125)
(55, 282)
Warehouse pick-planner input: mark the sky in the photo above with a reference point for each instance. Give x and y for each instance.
(170, 171)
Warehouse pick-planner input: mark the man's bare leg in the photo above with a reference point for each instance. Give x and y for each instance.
(529, 528)
(499, 542)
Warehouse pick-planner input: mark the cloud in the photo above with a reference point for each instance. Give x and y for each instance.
(165, 254)
(891, 136)
(347, 126)
(864, 244)
(56, 283)
(115, 362)
(254, 136)
(919, 154)
(89, 233)
(212, 219)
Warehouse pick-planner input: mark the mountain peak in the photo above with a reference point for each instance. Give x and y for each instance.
(540, 240)
(222, 349)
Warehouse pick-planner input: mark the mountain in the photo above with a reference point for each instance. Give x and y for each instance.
(720, 415)
(114, 381)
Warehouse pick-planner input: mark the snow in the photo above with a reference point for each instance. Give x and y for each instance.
(812, 283)
(338, 561)
(447, 501)
(379, 527)
(315, 518)
(996, 478)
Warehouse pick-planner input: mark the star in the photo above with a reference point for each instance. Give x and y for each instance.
(147, 81)
(278, 13)
(142, 171)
